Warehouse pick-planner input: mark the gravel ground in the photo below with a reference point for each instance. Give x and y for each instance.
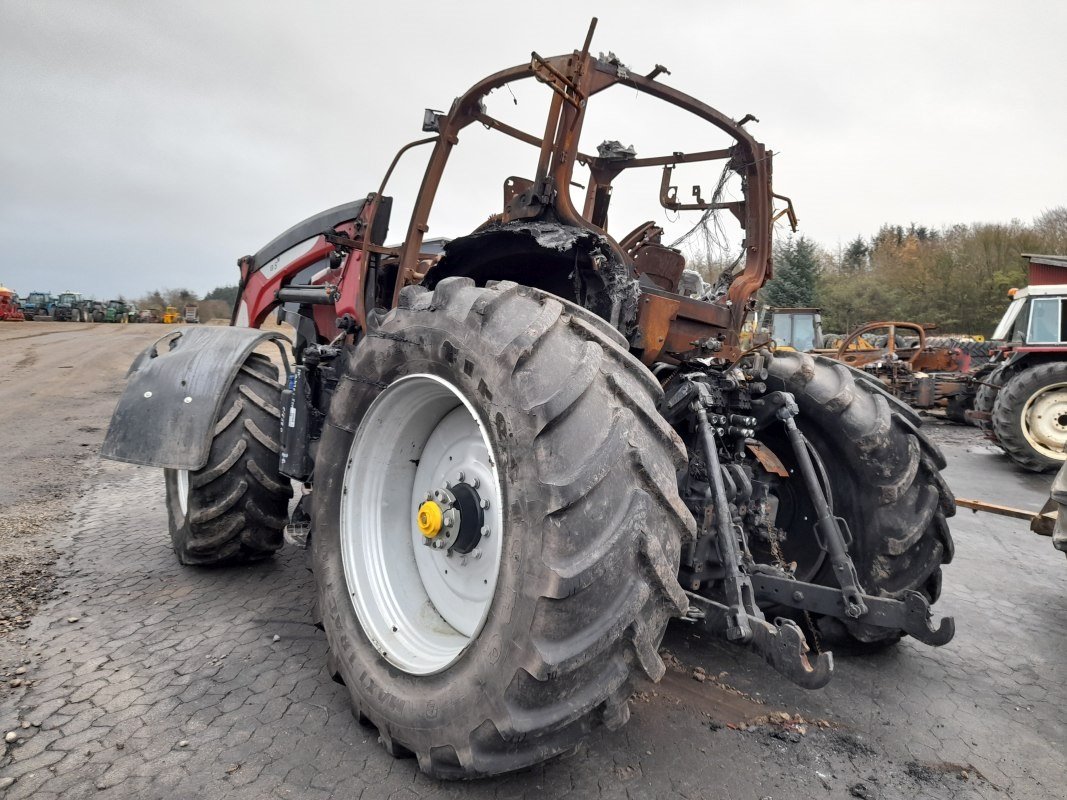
(60, 382)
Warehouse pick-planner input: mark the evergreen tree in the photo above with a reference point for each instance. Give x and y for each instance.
(796, 274)
(855, 258)
(227, 294)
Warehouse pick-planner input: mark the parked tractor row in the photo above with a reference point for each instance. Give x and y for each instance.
(71, 307)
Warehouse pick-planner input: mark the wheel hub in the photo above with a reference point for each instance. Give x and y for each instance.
(421, 523)
(1044, 420)
(429, 519)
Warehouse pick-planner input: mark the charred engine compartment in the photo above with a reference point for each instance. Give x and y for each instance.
(570, 262)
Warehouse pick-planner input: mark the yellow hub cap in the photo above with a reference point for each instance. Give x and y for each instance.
(429, 519)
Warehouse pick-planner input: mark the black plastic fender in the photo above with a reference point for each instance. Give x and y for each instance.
(165, 416)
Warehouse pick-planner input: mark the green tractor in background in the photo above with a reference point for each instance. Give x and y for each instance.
(114, 311)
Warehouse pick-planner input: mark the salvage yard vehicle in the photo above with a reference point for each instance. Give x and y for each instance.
(171, 315)
(37, 305)
(519, 458)
(83, 310)
(1021, 403)
(922, 372)
(114, 311)
(66, 308)
(10, 310)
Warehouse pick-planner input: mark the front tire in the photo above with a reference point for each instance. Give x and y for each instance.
(235, 507)
(591, 527)
(884, 476)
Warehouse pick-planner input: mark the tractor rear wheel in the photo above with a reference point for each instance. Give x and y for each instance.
(235, 507)
(883, 477)
(496, 527)
(1030, 416)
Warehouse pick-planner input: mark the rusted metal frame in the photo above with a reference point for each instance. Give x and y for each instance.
(672, 325)
(736, 207)
(657, 161)
(603, 172)
(788, 211)
(555, 110)
(515, 133)
(754, 160)
(383, 251)
(569, 85)
(755, 165)
(600, 180)
(464, 111)
(561, 85)
(503, 127)
(565, 152)
(891, 346)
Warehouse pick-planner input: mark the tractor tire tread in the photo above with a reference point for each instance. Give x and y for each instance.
(605, 583)
(902, 539)
(237, 506)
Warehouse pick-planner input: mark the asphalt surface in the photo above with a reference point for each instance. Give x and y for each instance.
(144, 679)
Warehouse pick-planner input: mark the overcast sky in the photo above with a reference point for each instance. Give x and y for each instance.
(149, 144)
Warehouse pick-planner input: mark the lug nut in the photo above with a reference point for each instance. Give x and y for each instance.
(449, 519)
(448, 484)
(484, 503)
(477, 553)
(485, 531)
(475, 483)
(460, 476)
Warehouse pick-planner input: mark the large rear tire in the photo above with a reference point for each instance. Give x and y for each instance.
(1030, 416)
(884, 477)
(234, 508)
(582, 574)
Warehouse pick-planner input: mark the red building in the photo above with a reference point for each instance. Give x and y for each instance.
(1046, 270)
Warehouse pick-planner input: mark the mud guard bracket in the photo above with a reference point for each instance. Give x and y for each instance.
(173, 392)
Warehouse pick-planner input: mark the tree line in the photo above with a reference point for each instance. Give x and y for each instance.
(955, 277)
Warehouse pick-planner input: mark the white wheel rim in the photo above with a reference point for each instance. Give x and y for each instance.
(183, 491)
(420, 607)
(1044, 420)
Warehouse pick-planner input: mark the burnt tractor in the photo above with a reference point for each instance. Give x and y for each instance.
(923, 371)
(518, 458)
